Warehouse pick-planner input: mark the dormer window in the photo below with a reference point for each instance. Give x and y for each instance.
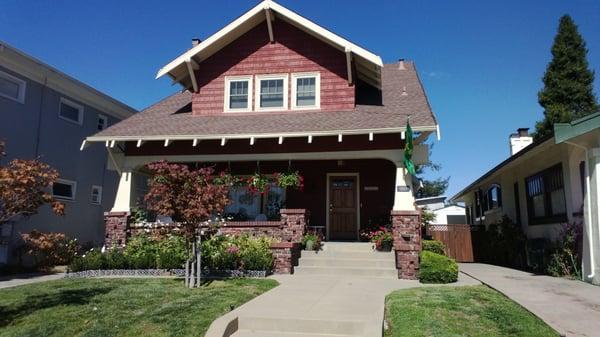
(272, 92)
(237, 93)
(306, 91)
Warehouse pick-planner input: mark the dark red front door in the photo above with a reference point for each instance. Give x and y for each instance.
(342, 208)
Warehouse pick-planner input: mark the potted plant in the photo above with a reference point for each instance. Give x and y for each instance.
(383, 240)
(290, 179)
(311, 241)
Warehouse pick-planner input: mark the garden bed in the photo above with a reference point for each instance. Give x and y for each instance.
(165, 272)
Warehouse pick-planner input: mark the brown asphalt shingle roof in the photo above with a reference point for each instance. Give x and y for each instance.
(172, 116)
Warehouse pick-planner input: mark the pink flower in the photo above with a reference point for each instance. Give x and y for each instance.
(233, 250)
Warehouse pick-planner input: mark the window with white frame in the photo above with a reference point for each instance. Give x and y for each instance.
(70, 111)
(12, 87)
(96, 195)
(306, 91)
(238, 93)
(271, 92)
(64, 189)
(102, 122)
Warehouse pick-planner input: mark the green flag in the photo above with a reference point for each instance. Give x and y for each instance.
(408, 150)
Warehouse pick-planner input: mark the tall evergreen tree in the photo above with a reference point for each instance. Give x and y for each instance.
(568, 81)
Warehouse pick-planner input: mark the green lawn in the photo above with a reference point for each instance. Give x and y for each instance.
(459, 311)
(120, 307)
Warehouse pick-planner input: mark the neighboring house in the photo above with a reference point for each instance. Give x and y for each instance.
(46, 114)
(445, 214)
(544, 185)
(271, 92)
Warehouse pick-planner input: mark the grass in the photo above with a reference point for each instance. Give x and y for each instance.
(459, 311)
(120, 307)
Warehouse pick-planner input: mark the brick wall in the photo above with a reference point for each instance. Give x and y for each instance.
(406, 229)
(293, 51)
(286, 255)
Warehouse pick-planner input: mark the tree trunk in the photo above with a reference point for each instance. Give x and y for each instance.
(198, 260)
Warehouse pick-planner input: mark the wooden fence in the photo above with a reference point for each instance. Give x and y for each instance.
(456, 238)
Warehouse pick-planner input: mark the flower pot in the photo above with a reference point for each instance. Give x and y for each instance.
(310, 245)
(386, 246)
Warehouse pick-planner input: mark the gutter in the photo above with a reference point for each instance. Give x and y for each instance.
(588, 201)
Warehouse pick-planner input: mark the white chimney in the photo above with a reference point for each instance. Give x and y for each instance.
(401, 64)
(195, 41)
(519, 140)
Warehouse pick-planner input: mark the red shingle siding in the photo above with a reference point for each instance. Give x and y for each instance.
(294, 51)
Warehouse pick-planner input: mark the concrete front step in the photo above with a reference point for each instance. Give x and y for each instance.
(348, 246)
(389, 272)
(258, 333)
(267, 326)
(327, 261)
(349, 254)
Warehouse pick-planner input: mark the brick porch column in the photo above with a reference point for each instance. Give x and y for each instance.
(285, 257)
(293, 222)
(406, 229)
(115, 225)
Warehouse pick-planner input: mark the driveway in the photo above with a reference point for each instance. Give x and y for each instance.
(570, 307)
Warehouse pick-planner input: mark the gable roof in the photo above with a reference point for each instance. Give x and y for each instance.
(171, 118)
(369, 64)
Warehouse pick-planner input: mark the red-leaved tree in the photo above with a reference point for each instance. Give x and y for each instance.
(24, 188)
(190, 198)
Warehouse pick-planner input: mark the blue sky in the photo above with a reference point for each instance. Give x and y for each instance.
(481, 61)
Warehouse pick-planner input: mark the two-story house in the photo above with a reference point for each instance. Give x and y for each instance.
(272, 92)
(45, 114)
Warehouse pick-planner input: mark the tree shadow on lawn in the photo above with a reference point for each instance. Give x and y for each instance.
(33, 303)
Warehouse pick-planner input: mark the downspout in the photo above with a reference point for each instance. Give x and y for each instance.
(588, 201)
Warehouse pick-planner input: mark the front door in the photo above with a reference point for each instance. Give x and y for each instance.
(343, 208)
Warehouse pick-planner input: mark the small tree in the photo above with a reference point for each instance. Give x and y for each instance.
(190, 198)
(568, 81)
(24, 188)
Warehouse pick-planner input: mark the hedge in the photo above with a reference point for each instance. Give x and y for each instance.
(436, 268)
(434, 246)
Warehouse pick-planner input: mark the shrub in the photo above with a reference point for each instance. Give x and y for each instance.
(115, 259)
(383, 239)
(222, 252)
(141, 252)
(565, 259)
(49, 249)
(91, 260)
(171, 252)
(436, 268)
(434, 246)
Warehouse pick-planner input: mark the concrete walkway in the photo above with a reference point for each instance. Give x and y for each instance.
(323, 305)
(570, 307)
(22, 279)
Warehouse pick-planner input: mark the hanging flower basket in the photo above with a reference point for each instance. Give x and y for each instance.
(258, 184)
(290, 180)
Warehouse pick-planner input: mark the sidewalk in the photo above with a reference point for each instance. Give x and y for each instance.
(570, 307)
(22, 279)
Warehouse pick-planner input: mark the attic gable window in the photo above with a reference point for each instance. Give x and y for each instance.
(237, 93)
(306, 90)
(272, 92)
(70, 111)
(12, 88)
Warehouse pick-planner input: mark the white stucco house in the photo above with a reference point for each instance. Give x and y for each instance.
(445, 213)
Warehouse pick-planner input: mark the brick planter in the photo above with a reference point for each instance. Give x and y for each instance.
(406, 229)
(286, 255)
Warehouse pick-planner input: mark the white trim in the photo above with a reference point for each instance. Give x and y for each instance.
(104, 120)
(256, 11)
(19, 82)
(226, 97)
(269, 24)
(295, 77)
(257, 97)
(99, 189)
(327, 201)
(73, 185)
(309, 134)
(74, 105)
(191, 68)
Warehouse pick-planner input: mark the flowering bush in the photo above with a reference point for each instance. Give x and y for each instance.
(227, 252)
(49, 249)
(382, 238)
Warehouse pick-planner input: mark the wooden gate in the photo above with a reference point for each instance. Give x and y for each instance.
(456, 238)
